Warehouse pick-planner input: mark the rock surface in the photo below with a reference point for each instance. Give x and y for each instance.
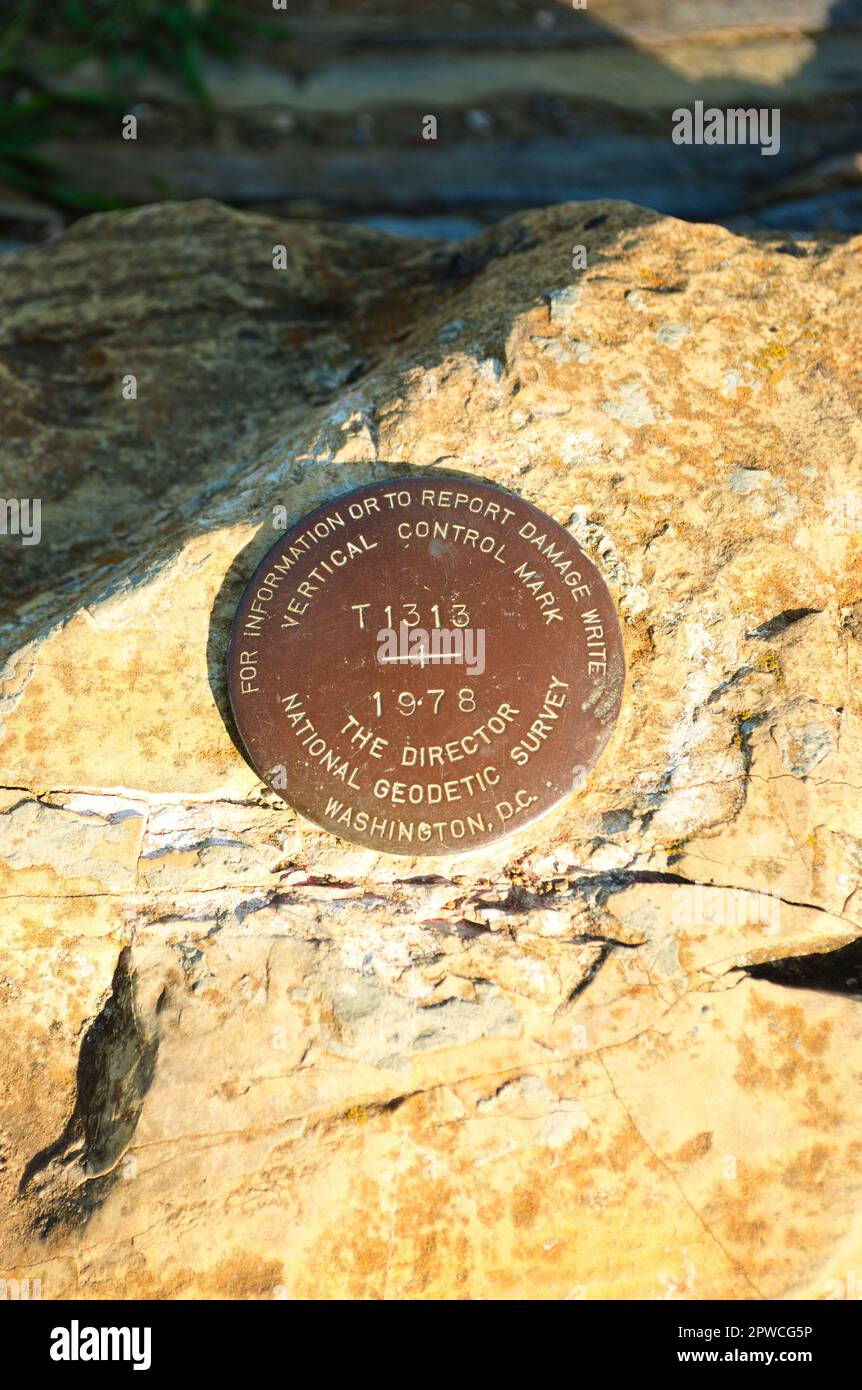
(617, 1056)
(533, 104)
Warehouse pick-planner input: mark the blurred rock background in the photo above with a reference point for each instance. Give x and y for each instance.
(317, 110)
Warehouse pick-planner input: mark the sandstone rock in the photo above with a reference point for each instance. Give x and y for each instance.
(616, 1056)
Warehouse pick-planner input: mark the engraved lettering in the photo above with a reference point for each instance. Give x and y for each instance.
(411, 694)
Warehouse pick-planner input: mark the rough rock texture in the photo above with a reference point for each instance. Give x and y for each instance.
(242, 1058)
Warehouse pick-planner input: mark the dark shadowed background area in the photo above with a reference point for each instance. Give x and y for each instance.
(318, 110)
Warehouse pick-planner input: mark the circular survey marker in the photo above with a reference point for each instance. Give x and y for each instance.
(426, 665)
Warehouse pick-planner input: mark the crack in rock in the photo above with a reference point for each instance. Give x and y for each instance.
(65, 1182)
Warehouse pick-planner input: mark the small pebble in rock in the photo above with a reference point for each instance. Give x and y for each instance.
(479, 121)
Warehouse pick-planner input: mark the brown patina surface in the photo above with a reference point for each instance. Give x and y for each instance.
(376, 667)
